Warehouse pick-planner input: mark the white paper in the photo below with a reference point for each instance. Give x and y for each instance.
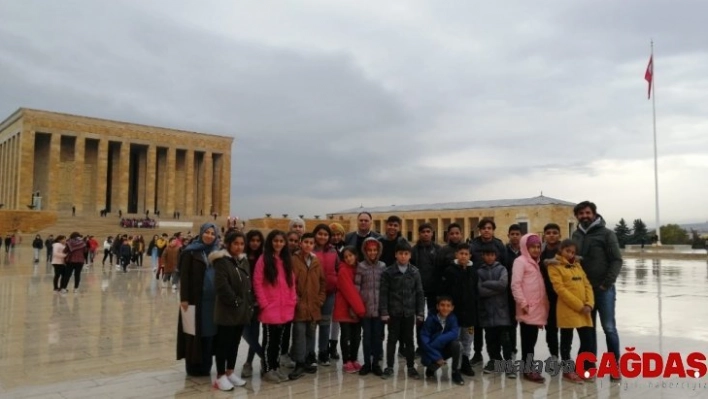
(188, 319)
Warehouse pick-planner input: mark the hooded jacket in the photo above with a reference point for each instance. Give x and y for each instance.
(574, 292)
(311, 287)
(461, 285)
(348, 305)
(329, 259)
(75, 251)
(529, 289)
(234, 295)
(368, 280)
(423, 257)
(493, 289)
(277, 301)
(352, 238)
(434, 336)
(602, 259)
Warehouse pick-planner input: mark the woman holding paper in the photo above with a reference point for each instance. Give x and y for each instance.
(195, 328)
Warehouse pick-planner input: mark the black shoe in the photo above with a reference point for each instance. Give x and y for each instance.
(413, 373)
(477, 360)
(466, 368)
(418, 353)
(365, 369)
(333, 350)
(489, 367)
(311, 359)
(376, 369)
(430, 371)
(323, 359)
(298, 372)
(387, 373)
(310, 369)
(457, 378)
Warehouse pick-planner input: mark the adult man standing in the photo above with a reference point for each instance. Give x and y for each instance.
(390, 240)
(356, 238)
(602, 261)
(423, 257)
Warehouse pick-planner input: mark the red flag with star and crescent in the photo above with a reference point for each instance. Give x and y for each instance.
(649, 75)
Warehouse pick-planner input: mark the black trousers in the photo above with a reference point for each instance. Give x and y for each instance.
(513, 334)
(107, 254)
(349, 340)
(49, 254)
(202, 369)
(227, 340)
(70, 268)
(272, 338)
(59, 271)
(400, 328)
(452, 351)
(552, 329)
(285, 344)
(585, 334)
(529, 336)
(498, 343)
(478, 340)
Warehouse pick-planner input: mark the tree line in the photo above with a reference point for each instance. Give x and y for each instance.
(671, 234)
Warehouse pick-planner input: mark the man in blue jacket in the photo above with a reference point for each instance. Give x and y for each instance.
(440, 340)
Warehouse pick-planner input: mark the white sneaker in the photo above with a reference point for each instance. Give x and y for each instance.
(223, 383)
(236, 380)
(286, 361)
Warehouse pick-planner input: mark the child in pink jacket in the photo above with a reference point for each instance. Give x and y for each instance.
(529, 292)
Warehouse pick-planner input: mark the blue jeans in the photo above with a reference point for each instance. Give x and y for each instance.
(605, 306)
(324, 324)
(373, 339)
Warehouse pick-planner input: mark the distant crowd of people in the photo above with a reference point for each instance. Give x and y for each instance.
(146, 223)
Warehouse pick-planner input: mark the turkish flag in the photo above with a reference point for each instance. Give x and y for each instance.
(649, 75)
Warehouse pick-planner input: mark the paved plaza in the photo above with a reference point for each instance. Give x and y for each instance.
(116, 339)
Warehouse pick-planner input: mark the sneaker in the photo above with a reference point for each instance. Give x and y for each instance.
(223, 383)
(76, 290)
(311, 360)
(247, 370)
(457, 378)
(282, 376)
(387, 373)
(376, 369)
(477, 360)
(236, 380)
(365, 369)
(64, 291)
(298, 372)
(357, 365)
(349, 368)
(323, 359)
(573, 377)
(333, 350)
(534, 377)
(272, 376)
(511, 374)
(430, 371)
(286, 361)
(489, 368)
(413, 373)
(310, 369)
(466, 368)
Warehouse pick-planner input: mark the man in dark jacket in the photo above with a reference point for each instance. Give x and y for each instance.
(551, 244)
(513, 251)
(390, 240)
(423, 257)
(48, 245)
(356, 238)
(602, 261)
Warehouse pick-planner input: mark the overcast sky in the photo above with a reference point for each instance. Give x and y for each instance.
(335, 104)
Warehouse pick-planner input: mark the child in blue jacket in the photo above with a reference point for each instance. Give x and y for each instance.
(439, 339)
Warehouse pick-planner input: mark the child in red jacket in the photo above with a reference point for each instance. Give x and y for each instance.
(348, 310)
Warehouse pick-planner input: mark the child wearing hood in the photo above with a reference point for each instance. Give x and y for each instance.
(368, 283)
(529, 291)
(348, 311)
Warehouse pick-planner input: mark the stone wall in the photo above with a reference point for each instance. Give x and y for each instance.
(25, 221)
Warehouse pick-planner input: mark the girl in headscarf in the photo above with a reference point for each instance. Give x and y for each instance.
(197, 289)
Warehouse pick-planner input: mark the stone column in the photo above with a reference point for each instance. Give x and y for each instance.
(79, 157)
(467, 228)
(24, 155)
(171, 172)
(441, 232)
(208, 191)
(101, 174)
(50, 199)
(151, 178)
(225, 184)
(3, 171)
(123, 178)
(404, 228)
(415, 230)
(188, 184)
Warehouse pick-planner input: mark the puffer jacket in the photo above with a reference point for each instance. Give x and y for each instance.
(602, 259)
(574, 292)
(368, 281)
(234, 295)
(75, 251)
(311, 287)
(529, 289)
(460, 283)
(493, 289)
(329, 260)
(276, 301)
(423, 257)
(348, 305)
(401, 293)
(434, 337)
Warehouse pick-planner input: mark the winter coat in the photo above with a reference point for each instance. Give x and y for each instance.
(92, 244)
(602, 259)
(493, 288)
(401, 293)
(75, 248)
(434, 337)
(446, 256)
(234, 293)
(548, 253)
(423, 257)
(388, 248)
(461, 285)
(477, 244)
(192, 268)
(125, 251)
(329, 260)
(528, 289)
(509, 259)
(48, 243)
(348, 305)
(311, 287)
(368, 282)
(58, 254)
(170, 259)
(161, 244)
(276, 301)
(574, 292)
(37, 243)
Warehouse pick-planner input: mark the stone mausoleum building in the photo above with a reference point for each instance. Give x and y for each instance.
(531, 214)
(51, 161)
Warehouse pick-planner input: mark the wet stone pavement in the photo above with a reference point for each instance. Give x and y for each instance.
(116, 339)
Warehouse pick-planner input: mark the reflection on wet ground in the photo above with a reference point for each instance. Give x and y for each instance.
(115, 338)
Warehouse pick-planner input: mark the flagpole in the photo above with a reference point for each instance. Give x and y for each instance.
(656, 162)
